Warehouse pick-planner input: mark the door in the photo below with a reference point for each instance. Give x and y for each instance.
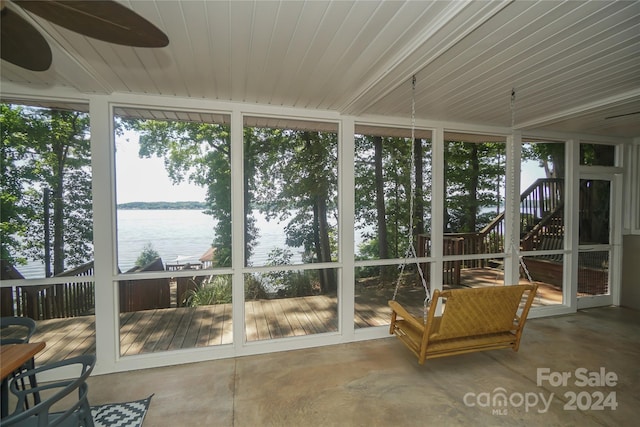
(597, 235)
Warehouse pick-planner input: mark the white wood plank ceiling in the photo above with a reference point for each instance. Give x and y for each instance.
(573, 64)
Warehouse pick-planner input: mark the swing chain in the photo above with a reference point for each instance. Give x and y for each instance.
(411, 251)
(514, 249)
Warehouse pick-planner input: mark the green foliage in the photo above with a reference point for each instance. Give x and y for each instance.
(14, 216)
(254, 288)
(473, 173)
(396, 187)
(287, 283)
(597, 154)
(550, 156)
(147, 255)
(217, 290)
(298, 284)
(44, 149)
(294, 179)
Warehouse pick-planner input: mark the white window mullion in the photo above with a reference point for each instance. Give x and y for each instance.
(571, 218)
(104, 226)
(237, 227)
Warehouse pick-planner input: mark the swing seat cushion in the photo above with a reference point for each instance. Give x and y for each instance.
(473, 319)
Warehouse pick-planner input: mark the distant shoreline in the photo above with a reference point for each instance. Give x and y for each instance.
(163, 205)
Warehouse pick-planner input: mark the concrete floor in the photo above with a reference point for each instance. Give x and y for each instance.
(379, 383)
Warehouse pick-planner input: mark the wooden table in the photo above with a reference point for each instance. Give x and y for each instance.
(12, 357)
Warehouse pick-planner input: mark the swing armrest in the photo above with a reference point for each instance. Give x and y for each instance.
(398, 309)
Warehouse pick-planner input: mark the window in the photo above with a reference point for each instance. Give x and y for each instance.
(597, 154)
(173, 181)
(385, 182)
(47, 223)
(474, 219)
(542, 201)
(291, 223)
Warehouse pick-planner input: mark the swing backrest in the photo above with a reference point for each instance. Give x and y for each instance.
(479, 311)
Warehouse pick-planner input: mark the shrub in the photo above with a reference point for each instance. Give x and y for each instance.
(254, 289)
(212, 291)
(147, 255)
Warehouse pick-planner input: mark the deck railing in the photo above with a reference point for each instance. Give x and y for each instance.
(70, 299)
(541, 207)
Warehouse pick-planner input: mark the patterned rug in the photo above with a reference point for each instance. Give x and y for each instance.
(129, 414)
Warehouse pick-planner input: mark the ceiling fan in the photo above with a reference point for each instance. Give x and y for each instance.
(107, 20)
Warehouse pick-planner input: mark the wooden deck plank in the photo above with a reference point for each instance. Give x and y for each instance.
(64, 339)
(269, 314)
(227, 325)
(370, 315)
(181, 333)
(250, 322)
(206, 324)
(195, 325)
(324, 309)
(217, 327)
(261, 331)
(319, 321)
(291, 314)
(306, 322)
(165, 329)
(138, 330)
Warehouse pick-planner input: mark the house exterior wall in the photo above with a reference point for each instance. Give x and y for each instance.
(630, 280)
(630, 286)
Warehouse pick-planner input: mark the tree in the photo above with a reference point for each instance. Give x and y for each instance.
(199, 153)
(296, 180)
(16, 175)
(383, 191)
(147, 255)
(471, 171)
(550, 156)
(381, 209)
(46, 149)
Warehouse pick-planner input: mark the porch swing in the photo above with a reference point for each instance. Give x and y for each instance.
(473, 319)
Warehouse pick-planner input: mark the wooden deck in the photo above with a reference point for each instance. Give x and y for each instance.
(151, 331)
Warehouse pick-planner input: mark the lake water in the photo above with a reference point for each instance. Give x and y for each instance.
(182, 236)
(179, 236)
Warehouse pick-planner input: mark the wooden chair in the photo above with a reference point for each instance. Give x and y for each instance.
(474, 319)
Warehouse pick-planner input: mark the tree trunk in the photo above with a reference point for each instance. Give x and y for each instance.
(328, 283)
(383, 244)
(60, 152)
(419, 193)
(472, 209)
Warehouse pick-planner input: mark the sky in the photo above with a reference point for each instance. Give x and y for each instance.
(146, 180)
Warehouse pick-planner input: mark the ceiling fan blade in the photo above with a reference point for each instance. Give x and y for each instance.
(21, 44)
(105, 20)
(622, 115)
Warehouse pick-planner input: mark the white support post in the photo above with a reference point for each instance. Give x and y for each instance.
(346, 208)
(571, 218)
(104, 229)
(438, 196)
